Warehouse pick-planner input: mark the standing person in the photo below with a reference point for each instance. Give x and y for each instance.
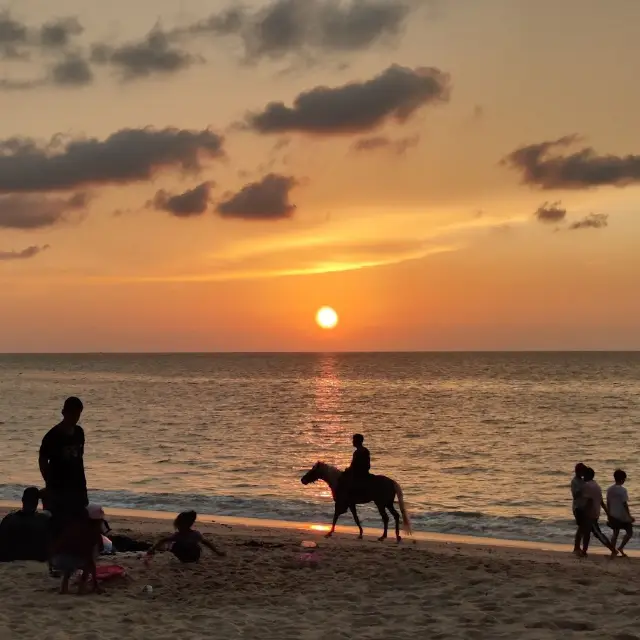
(618, 507)
(593, 505)
(61, 463)
(578, 504)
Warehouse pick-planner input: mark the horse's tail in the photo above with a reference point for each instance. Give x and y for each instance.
(406, 520)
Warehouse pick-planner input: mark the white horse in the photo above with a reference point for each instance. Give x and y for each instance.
(381, 490)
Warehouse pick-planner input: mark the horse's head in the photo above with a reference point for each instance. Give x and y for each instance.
(313, 475)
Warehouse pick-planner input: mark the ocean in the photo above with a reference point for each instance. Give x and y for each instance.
(482, 443)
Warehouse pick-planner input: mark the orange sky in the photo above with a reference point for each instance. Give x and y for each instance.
(410, 175)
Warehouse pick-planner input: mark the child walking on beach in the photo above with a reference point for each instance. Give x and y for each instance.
(618, 507)
(78, 547)
(185, 542)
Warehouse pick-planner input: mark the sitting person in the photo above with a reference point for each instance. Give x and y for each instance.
(24, 534)
(356, 475)
(78, 546)
(185, 542)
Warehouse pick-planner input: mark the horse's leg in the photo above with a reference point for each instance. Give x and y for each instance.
(336, 514)
(352, 508)
(385, 520)
(396, 517)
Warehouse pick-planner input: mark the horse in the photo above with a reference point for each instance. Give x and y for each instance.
(382, 492)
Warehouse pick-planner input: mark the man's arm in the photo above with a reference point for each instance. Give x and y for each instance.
(605, 508)
(43, 460)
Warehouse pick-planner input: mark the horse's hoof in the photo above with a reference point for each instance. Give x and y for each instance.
(328, 535)
(399, 539)
(382, 538)
(360, 536)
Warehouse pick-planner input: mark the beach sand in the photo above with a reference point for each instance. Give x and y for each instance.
(264, 588)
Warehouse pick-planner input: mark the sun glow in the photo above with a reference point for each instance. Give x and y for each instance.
(327, 318)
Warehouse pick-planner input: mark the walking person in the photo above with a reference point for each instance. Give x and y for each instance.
(620, 518)
(578, 505)
(593, 506)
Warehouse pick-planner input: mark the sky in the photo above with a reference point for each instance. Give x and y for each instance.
(203, 175)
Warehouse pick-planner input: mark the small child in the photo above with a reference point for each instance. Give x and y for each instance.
(618, 509)
(78, 547)
(185, 542)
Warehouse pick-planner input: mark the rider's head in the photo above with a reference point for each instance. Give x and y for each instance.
(358, 440)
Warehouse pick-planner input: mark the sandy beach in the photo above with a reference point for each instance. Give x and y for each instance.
(266, 588)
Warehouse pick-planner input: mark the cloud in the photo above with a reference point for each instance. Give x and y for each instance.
(592, 221)
(193, 202)
(153, 55)
(29, 212)
(126, 156)
(543, 165)
(395, 94)
(550, 212)
(73, 71)
(299, 26)
(267, 199)
(59, 33)
(25, 254)
(14, 36)
(376, 143)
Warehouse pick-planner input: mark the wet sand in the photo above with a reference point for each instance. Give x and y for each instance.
(269, 587)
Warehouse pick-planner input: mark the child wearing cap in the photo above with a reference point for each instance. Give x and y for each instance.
(78, 547)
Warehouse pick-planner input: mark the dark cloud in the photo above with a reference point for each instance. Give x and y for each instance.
(592, 221)
(126, 156)
(73, 71)
(28, 212)
(153, 55)
(25, 254)
(59, 33)
(298, 26)
(193, 202)
(396, 93)
(550, 212)
(376, 143)
(14, 35)
(267, 199)
(542, 165)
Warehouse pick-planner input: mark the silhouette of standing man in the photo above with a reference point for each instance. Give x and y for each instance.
(62, 466)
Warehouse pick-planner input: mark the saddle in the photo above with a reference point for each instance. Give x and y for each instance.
(358, 490)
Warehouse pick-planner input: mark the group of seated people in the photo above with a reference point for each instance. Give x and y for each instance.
(28, 535)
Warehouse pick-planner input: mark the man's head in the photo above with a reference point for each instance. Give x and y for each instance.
(358, 440)
(580, 469)
(30, 499)
(72, 410)
(619, 476)
(589, 474)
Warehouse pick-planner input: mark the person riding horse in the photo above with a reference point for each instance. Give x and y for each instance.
(356, 477)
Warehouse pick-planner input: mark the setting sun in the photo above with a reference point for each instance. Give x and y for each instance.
(326, 318)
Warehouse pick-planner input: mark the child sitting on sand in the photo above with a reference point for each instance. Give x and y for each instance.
(185, 542)
(78, 547)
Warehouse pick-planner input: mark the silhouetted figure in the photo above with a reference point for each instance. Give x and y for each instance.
(24, 534)
(356, 476)
(185, 542)
(578, 506)
(62, 467)
(620, 518)
(593, 506)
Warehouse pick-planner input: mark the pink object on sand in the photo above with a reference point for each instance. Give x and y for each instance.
(110, 571)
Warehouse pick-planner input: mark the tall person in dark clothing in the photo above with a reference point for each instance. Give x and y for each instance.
(62, 467)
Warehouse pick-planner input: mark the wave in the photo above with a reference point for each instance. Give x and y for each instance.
(468, 523)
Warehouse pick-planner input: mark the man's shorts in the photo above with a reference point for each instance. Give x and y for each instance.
(619, 525)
